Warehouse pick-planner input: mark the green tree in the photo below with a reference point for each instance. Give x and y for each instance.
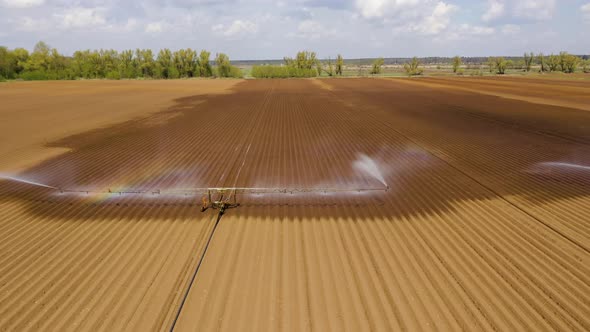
(47, 63)
(568, 62)
(223, 65)
(7, 63)
(205, 69)
(225, 68)
(186, 63)
(79, 64)
(553, 62)
(339, 65)
(303, 60)
(412, 68)
(57, 65)
(376, 66)
(21, 56)
(562, 58)
(457, 62)
(164, 64)
(127, 65)
(529, 58)
(319, 67)
(146, 63)
(501, 64)
(542, 62)
(96, 67)
(491, 64)
(305, 64)
(266, 71)
(38, 61)
(330, 68)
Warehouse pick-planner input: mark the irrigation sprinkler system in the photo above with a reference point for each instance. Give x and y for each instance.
(218, 198)
(224, 198)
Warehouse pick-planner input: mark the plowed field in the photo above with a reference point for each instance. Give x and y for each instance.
(486, 225)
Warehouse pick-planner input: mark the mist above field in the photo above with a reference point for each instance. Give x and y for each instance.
(266, 29)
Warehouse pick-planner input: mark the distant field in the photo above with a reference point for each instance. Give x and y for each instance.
(486, 225)
(353, 70)
(445, 70)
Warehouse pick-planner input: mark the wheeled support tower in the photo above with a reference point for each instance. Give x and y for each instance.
(225, 200)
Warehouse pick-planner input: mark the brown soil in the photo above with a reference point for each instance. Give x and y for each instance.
(572, 94)
(34, 114)
(483, 228)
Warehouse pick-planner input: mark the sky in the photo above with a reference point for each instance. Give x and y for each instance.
(266, 29)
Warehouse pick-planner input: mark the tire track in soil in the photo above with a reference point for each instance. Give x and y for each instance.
(222, 180)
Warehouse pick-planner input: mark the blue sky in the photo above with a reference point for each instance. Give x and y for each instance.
(265, 29)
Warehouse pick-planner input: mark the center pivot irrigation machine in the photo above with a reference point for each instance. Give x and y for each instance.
(225, 198)
(212, 198)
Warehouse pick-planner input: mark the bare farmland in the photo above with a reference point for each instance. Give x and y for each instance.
(484, 227)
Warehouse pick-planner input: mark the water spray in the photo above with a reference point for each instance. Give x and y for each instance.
(367, 165)
(565, 165)
(20, 180)
(222, 198)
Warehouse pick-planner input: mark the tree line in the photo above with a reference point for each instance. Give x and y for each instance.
(305, 64)
(46, 63)
(562, 62)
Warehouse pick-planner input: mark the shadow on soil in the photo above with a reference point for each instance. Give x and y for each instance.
(202, 139)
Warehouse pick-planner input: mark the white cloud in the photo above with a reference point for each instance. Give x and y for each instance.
(534, 9)
(29, 24)
(79, 17)
(373, 8)
(426, 17)
(130, 25)
(523, 9)
(310, 29)
(476, 30)
(586, 11)
(436, 22)
(510, 29)
(122, 27)
(236, 28)
(393, 8)
(21, 3)
(466, 31)
(313, 30)
(385, 8)
(495, 10)
(154, 27)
